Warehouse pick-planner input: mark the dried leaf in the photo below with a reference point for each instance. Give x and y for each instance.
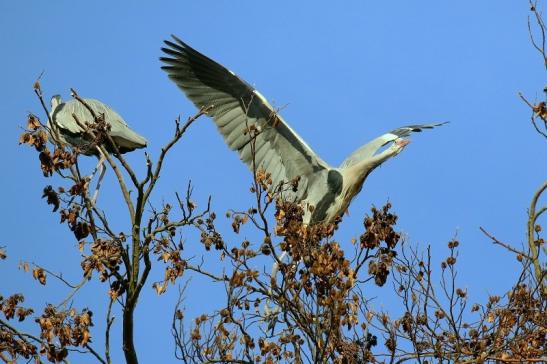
(46, 163)
(24, 266)
(52, 197)
(81, 230)
(32, 122)
(40, 275)
(26, 138)
(160, 288)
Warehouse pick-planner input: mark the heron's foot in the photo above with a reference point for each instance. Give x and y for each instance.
(402, 142)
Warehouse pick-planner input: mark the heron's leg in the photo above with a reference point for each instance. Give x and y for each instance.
(271, 312)
(275, 266)
(98, 166)
(101, 168)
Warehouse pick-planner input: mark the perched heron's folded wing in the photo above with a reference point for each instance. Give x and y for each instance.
(63, 116)
(125, 137)
(235, 106)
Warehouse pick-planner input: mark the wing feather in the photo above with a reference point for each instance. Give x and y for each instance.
(237, 105)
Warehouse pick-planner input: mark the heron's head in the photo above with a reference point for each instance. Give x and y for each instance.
(56, 100)
(398, 145)
(401, 143)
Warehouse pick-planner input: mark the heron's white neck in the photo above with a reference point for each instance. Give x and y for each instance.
(355, 176)
(55, 101)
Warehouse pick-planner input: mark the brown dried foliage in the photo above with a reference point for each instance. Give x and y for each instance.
(439, 326)
(311, 309)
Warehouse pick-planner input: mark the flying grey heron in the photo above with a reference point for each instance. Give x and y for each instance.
(70, 133)
(279, 150)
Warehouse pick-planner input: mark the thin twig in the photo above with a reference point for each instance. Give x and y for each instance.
(505, 245)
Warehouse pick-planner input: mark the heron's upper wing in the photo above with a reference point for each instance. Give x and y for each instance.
(369, 149)
(236, 105)
(125, 137)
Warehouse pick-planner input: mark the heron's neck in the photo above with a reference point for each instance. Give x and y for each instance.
(355, 176)
(364, 167)
(54, 103)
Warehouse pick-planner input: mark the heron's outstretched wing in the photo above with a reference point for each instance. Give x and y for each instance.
(369, 149)
(125, 137)
(235, 106)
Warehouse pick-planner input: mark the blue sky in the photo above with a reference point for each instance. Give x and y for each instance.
(343, 73)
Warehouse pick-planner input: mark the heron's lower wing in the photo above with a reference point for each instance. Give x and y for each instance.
(235, 107)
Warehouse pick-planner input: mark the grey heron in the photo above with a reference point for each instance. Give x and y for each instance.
(279, 150)
(70, 133)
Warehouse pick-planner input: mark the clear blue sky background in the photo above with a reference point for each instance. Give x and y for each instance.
(347, 72)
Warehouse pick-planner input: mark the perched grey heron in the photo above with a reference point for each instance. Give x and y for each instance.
(62, 114)
(70, 133)
(279, 150)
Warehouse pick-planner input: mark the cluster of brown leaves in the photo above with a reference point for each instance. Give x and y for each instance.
(329, 277)
(60, 159)
(13, 345)
(79, 227)
(162, 238)
(36, 135)
(97, 133)
(52, 197)
(518, 329)
(10, 307)
(298, 239)
(510, 329)
(61, 329)
(105, 258)
(11, 342)
(311, 293)
(39, 274)
(539, 241)
(175, 268)
(35, 138)
(209, 234)
(271, 351)
(221, 341)
(238, 220)
(379, 228)
(263, 180)
(354, 352)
